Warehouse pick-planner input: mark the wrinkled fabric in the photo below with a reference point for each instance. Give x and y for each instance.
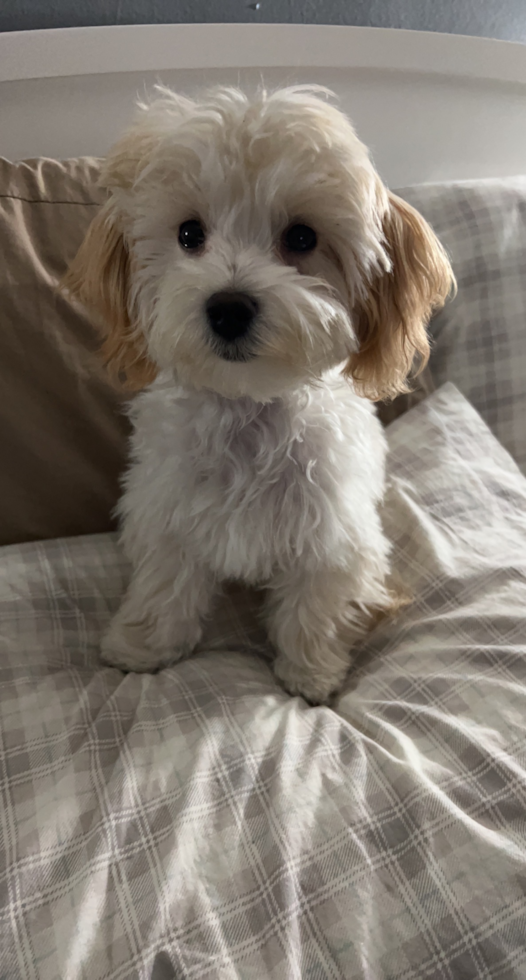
(479, 338)
(62, 429)
(200, 823)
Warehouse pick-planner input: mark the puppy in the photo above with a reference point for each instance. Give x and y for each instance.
(260, 284)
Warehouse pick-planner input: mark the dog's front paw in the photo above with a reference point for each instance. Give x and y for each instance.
(136, 647)
(127, 647)
(315, 686)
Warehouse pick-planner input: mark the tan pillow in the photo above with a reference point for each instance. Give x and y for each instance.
(62, 432)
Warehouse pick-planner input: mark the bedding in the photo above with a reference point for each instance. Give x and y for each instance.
(61, 422)
(62, 432)
(479, 339)
(200, 823)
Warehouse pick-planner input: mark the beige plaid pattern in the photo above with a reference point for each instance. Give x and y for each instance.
(201, 824)
(480, 337)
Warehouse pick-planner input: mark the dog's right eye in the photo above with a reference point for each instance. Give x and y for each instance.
(191, 234)
(300, 238)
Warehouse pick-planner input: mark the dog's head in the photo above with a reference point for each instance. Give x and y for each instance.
(248, 246)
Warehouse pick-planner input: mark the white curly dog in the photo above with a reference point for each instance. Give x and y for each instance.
(260, 283)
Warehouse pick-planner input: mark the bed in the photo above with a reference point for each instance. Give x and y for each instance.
(200, 823)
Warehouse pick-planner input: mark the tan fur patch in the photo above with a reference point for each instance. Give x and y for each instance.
(99, 278)
(391, 322)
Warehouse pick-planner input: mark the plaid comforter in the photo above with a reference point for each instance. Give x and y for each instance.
(201, 824)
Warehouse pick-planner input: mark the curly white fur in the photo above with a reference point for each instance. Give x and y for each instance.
(270, 469)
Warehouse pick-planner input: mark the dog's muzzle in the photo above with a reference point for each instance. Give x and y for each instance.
(231, 317)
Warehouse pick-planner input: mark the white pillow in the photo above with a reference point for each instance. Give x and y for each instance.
(480, 337)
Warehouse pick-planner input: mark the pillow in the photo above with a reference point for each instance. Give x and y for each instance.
(61, 425)
(199, 822)
(480, 337)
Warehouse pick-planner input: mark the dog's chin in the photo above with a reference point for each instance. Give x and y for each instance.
(258, 377)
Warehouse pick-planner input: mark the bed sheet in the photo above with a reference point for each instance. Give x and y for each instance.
(200, 823)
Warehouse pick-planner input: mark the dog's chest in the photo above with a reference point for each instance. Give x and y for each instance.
(248, 493)
(247, 487)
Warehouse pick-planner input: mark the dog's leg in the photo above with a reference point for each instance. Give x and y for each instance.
(314, 618)
(160, 619)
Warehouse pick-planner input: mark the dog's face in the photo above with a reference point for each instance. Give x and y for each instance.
(248, 246)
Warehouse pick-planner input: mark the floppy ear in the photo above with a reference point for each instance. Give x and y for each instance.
(391, 319)
(99, 275)
(99, 278)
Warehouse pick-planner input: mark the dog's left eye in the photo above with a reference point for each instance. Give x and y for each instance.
(191, 234)
(300, 238)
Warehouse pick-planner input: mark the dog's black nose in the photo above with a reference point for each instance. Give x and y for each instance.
(231, 314)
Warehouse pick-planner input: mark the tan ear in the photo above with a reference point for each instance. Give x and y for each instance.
(391, 320)
(99, 278)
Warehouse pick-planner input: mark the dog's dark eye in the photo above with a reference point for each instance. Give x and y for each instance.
(300, 238)
(191, 234)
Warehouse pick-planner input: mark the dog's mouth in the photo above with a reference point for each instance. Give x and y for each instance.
(234, 353)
